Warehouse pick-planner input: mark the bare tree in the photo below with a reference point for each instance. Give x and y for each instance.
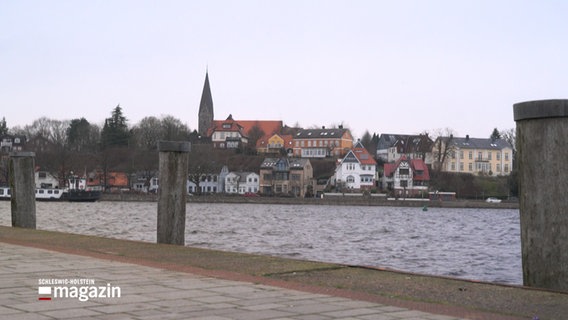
(443, 147)
(510, 135)
(174, 129)
(147, 133)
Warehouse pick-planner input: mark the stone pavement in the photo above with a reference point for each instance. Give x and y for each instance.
(153, 293)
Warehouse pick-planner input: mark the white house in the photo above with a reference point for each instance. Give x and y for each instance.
(44, 179)
(242, 182)
(406, 177)
(209, 183)
(357, 170)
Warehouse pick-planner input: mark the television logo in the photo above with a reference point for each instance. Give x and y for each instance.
(73, 289)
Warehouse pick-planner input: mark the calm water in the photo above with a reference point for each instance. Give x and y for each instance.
(477, 244)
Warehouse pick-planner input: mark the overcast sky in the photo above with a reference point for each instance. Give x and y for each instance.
(383, 66)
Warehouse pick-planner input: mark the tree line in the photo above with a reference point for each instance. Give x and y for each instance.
(64, 146)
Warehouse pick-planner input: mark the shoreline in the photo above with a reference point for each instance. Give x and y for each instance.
(333, 200)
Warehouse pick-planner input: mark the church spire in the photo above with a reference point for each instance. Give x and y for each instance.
(205, 107)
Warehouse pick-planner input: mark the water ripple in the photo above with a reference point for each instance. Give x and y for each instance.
(477, 244)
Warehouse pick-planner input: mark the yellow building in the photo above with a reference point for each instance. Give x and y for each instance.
(321, 143)
(276, 143)
(474, 155)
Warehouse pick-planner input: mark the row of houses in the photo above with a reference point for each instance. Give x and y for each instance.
(402, 164)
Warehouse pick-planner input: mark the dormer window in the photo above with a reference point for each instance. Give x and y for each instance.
(226, 126)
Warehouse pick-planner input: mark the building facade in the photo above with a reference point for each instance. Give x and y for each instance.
(356, 171)
(321, 143)
(227, 134)
(286, 176)
(406, 177)
(9, 143)
(275, 144)
(242, 182)
(391, 147)
(476, 156)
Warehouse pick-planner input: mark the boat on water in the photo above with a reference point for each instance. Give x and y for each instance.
(77, 190)
(41, 194)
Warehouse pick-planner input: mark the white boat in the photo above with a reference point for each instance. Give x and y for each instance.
(41, 194)
(49, 194)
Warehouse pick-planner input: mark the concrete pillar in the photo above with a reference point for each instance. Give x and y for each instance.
(174, 160)
(22, 189)
(542, 155)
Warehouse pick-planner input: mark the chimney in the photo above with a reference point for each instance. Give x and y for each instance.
(467, 137)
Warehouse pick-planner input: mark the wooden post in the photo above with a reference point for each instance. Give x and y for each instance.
(542, 150)
(174, 160)
(22, 189)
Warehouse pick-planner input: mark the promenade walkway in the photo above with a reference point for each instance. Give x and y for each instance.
(174, 282)
(150, 293)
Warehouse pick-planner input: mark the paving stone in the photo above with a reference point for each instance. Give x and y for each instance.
(150, 293)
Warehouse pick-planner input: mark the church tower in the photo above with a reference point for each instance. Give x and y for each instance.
(205, 108)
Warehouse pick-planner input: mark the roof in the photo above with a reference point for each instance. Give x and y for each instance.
(292, 163)
(320, 133)
(359, 154)
(405, 143)
(227, 125)
(269, 127)
(242, 174)
(480, 143)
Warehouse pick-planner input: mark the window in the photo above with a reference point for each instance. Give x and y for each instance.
(461, 154)
(479, 155)
(498, 156)
(461, 166)
(506, 156)
(506, 167)
(470, 167)
(489, 155)
(471, 156)
(350, 179)
(404, 172)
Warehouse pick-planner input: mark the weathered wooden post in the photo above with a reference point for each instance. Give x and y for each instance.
(542, 151)
(174, 160)
(22, 189)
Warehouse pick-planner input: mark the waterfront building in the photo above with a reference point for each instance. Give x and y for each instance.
(357, 170)
(286, 176)
(479, 156)
(242, 182)
(406, 177)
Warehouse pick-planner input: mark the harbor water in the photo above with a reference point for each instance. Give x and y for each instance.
(475, 244)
